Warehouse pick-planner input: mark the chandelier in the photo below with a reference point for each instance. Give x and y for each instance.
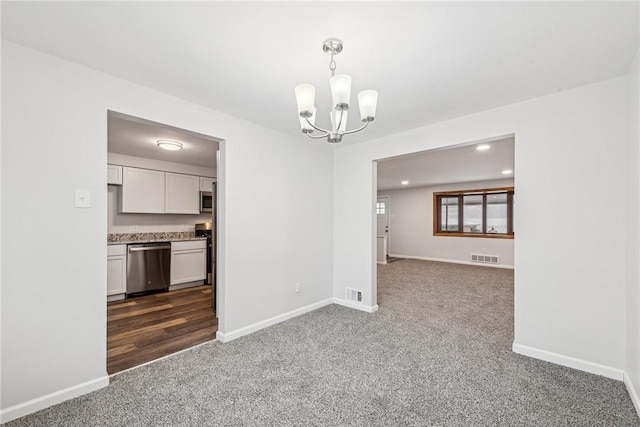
(341, 92)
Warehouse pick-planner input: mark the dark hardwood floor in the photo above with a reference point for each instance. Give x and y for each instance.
(145, 328)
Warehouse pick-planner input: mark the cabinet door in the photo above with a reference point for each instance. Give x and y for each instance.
(182, 194)
(142, 191)
(116, 274)
(206, 184)
(114, 175)
(188, 265)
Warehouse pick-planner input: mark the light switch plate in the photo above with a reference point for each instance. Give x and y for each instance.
(83, 199)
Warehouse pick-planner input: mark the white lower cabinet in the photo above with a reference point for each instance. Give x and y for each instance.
(188, 261)
(116, 271)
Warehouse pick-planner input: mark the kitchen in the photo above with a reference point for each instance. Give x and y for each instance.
(161, 240)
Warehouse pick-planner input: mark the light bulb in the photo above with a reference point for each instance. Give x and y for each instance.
(367, 101)
(340, 90)
(305, 97)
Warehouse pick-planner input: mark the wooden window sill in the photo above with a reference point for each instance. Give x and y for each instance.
(488, 236)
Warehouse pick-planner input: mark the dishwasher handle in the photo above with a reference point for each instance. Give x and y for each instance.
(149, 248)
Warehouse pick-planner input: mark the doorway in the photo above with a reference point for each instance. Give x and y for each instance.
(452, 205)
(159, 197)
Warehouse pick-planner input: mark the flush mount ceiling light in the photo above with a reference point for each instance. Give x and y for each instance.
(507, 172)
(405, 182)
(483, 147)
(341, 92)
(168, 144)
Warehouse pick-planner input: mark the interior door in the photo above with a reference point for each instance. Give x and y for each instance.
(382, 209)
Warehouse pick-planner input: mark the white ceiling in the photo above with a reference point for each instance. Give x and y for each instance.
(448, 166)
(137, 137)
(430, 61)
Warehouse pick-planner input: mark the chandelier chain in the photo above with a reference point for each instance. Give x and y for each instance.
(332, 65)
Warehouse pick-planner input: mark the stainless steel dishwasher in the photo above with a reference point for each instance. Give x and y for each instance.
(148, 267)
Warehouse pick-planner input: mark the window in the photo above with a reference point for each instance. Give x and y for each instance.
(381, 208)
(474, 213)
(449, 214)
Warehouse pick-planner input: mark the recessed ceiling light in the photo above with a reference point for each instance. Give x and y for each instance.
(483, 147)
(507, 172)
(167, 144)
(405, 182)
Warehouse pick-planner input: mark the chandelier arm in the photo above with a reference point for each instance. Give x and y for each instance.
(316, 127)
(316, 136)
(356, 130)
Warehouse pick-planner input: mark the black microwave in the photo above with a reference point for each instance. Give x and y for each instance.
(206, 201)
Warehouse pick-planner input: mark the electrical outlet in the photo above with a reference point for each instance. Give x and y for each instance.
(133, 228)
(298, 287)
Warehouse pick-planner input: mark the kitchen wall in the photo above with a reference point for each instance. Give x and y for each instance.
(632, 295)
(121, 223)
(411, 227)
(570, 152)
(275, 212)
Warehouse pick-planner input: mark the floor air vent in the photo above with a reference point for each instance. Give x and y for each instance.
(490, 259)
(354, 294)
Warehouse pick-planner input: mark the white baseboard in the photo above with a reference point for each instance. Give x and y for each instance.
(34, 405)
(355, 305)
(571, 362)
(229, 336)
(453, 261)
(382, 262)
(633, 393)
(186, 285)
(116, 297)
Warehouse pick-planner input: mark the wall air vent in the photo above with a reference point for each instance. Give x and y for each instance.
(488, 259)
(354, 295)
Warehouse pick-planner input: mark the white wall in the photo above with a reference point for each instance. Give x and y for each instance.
(633, 237)
(54, 133)
(121, 222)
(569, 260)
(411, 227)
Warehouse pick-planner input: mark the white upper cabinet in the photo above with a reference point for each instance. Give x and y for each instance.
(114, 174)
(143, 191)
(206, 183)
(182, 194)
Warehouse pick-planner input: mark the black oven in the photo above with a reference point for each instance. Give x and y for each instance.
(206, 201)
(205, 230)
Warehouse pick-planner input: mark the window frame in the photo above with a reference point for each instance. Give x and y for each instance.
(437, 210)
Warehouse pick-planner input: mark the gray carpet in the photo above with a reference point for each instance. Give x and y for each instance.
(436, 353)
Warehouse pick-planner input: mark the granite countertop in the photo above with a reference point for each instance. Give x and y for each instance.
(170, 236)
